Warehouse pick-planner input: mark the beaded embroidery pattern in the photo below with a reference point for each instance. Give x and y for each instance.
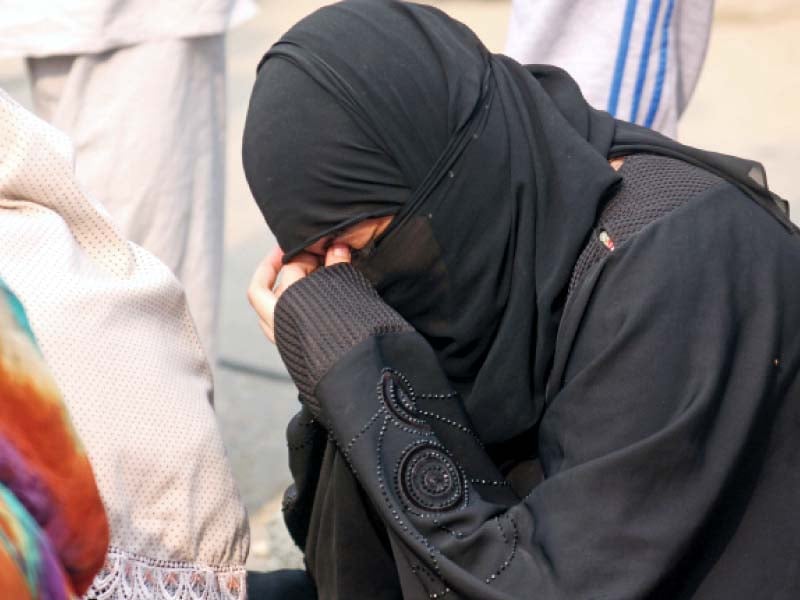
(426, 480)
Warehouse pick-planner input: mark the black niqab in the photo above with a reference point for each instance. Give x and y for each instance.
(495, 172)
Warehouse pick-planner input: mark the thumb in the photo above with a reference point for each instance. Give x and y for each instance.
(337, 253)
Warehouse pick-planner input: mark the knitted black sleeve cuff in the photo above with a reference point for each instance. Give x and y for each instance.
(321, 317)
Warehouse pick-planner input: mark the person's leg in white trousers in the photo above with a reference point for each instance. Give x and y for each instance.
(148, 124)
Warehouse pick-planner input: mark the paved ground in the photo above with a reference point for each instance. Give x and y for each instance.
(746, 103)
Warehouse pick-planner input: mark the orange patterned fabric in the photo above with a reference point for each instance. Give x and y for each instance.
(53, 528)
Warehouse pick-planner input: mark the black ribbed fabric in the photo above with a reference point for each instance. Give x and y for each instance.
(652, 187)
(311, 336)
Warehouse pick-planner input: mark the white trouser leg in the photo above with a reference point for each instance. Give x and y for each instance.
(148, 124)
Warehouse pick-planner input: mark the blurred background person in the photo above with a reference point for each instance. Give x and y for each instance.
(139, 86)
(638, 60)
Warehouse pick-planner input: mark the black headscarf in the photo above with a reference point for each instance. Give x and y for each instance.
(495, 173)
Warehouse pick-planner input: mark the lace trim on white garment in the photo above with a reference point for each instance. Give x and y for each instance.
(126, 576)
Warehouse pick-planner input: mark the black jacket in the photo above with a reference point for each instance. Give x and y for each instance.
(670, 442)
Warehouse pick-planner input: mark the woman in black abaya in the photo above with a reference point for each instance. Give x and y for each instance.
(524, 373)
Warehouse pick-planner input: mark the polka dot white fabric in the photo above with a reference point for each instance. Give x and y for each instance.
(113, 325)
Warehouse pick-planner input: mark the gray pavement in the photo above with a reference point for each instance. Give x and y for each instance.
(746, 103)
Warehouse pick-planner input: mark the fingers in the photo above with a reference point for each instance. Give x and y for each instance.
(275, 257)
(271, 278)
(337, 253)
(300, 266)
(260, 294)
(266, 286)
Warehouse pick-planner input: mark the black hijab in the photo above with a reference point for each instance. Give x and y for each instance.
(495, 173)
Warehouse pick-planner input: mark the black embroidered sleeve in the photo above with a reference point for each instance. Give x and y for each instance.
(412, 449)
(409, 442)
